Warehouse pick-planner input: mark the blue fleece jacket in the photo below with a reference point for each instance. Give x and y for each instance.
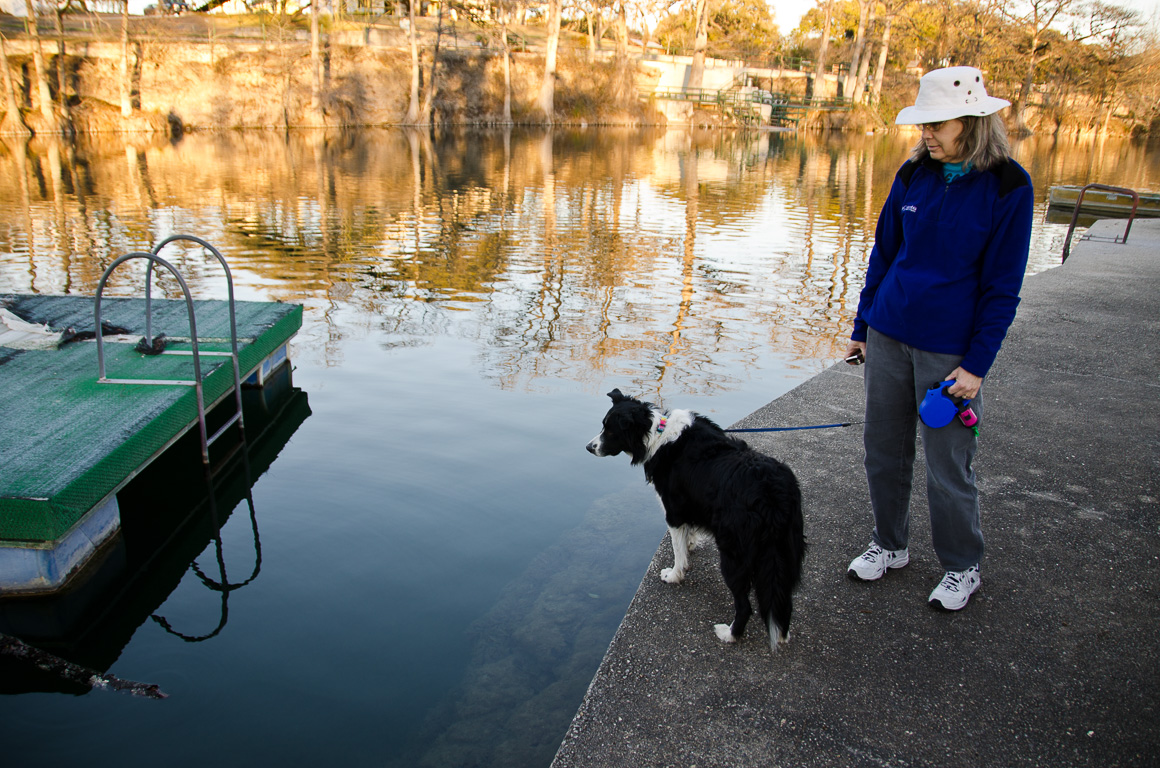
(948, 261)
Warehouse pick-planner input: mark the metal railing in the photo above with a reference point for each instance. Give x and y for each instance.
(195, 352)
(784, 107)
(1079, 203)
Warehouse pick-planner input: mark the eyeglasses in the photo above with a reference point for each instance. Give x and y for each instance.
(934, 127)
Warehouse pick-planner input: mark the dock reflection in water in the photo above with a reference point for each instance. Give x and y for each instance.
(169, 514)
(442, 566)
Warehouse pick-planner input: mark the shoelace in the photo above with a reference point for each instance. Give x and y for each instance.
(872, 554)
(951, 581)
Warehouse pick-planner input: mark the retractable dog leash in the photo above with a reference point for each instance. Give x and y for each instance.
(936, 410)
(939, 407)
(795, 429)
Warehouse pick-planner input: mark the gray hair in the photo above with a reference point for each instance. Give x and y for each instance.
(983, 142)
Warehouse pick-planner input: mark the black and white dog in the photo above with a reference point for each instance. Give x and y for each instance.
(712, 483)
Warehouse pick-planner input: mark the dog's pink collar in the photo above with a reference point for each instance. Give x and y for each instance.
(661, 425)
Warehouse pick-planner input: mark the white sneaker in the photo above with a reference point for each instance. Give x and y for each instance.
(956, 589)
(871, 565)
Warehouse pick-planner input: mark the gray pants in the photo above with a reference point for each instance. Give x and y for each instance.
(897, 378)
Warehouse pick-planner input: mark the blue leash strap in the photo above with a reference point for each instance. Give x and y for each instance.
(795, 429)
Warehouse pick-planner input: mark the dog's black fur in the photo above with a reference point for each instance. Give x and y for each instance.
(708, 481)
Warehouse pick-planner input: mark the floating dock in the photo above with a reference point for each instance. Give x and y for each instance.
(1104, 202)
(71, 442)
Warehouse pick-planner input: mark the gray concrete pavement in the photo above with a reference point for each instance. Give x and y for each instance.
(1055, 662)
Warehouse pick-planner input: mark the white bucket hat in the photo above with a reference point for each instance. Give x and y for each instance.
(947, 93)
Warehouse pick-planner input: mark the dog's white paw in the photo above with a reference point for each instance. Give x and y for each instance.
(672, 576)
(724, 633)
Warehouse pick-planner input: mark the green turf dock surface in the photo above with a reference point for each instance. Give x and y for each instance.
(70, 442)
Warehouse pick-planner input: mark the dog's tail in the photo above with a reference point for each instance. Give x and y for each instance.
(779, 568)
(776, 636)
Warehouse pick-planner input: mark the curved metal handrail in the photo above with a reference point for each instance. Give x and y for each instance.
(233, 314)
(196, 383)
(1079, 202)
(154, 259)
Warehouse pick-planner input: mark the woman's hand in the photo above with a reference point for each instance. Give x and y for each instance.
(856, 348)
(966, 384)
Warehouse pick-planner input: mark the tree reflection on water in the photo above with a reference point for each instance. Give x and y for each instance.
(550, 264)
(569, 254)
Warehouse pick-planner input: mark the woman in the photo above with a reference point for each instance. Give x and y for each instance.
(941, 290)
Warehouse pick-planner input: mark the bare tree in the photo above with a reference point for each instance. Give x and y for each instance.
(507, 63)
(623, 86)
(864, 10)
(413, 110)
(883, 53)
(859, 94)
(126, 71)
(1115, 32)
(546, 101)
(1036, 18)
(592, 13)
(13, 121)
(820, 70)
(59, 10)
(44, 95)
(891, 9)
(648, 12)
(315, 65)
(700, 44)
(432, 81)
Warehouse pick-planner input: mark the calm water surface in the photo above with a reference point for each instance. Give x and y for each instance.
(439, 564)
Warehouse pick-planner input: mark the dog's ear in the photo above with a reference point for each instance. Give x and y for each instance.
(616, 396)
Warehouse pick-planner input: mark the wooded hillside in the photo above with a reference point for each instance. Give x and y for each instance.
(1067, 66)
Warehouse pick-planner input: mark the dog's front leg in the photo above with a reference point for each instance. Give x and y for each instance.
(680, 540)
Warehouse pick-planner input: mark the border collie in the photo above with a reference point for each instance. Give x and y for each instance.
(711, 483)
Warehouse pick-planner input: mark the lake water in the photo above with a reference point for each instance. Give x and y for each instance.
(429, 567)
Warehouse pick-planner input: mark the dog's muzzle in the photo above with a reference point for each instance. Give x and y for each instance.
(594, 446)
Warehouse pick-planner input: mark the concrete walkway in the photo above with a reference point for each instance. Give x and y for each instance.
(1055, 662)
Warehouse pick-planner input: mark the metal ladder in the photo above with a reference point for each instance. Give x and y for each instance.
(154, 260)
(1079, 202)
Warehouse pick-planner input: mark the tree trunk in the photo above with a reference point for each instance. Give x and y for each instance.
(859, 44)
(44, 95)
(1024, 97)
(859, 94)
(546, 102)
(126, 71)
(880, 70)
(1108, 116)
(507, 68)
(432, 84)
(700, 45)
(591, 33)
(13, 121)
(73, 673)
(623, 85)
(315, 65)
(413, 110)
(61, 80)
(820, 69)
